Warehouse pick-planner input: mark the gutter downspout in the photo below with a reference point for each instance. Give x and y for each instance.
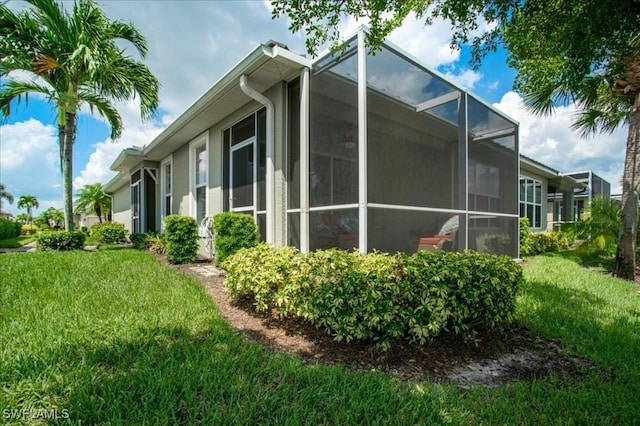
(270, 178)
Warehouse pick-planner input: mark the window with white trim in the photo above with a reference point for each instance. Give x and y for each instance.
(531, 201)
(199, 178)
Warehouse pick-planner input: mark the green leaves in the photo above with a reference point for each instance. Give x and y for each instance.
(109, 233)
(181, 235)
(378, 297)
(233, 231)
(60, 240)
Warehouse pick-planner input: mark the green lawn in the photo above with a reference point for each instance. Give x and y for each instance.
(115, 337)
(17, 241)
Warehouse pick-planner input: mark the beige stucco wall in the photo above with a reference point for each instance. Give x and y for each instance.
(182, 200)
(121, 206)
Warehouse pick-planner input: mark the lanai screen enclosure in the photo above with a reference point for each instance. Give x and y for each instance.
(394, 152)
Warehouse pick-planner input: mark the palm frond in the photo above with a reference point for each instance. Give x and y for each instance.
(16, 89)
(95, 102)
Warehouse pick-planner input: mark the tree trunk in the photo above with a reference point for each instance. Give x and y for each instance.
(626, 252)
(67, 169)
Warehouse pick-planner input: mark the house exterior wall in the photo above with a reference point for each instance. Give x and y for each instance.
(121, 206)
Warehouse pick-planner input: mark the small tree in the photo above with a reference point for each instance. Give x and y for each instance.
(92, 199)
(28, 202)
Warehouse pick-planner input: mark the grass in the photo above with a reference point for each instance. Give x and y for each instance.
(17, 242)
(115, 337)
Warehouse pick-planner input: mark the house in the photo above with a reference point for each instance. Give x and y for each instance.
(592, 186)
(348, 150)
(539, 183)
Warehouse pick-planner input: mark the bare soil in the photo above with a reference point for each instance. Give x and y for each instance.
(494, 358)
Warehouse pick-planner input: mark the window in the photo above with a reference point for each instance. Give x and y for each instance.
(245, 168)
(531, 201)
(166, 182)
(199, 177)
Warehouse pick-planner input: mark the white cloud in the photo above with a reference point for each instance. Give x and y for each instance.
(466, 78)
(550, 140)
(29, 160)
(97, 168)
(429, 44)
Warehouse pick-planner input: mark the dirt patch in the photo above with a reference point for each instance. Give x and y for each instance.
(494, 358)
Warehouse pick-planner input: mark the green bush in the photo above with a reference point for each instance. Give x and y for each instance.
(599, 226)
(268, 275)
(181, 235)
(109, 233)
(379, 297)
(60, 240)
(525, 237)
(547, 242)
(233, 231)
(9, 229)
(29, 229)
(356, 296)
(157, 243)
(140, 240)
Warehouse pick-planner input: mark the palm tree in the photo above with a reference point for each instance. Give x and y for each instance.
(92, 199)
(28, 202)
(23, 218)
(6, 195)
(73, 59)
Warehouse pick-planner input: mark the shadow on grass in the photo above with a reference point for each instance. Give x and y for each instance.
(586, 322)
(172, 376)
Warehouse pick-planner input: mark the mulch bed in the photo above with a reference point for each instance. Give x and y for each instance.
(495, 357)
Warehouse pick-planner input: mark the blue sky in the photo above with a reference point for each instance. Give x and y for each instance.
(193, 43)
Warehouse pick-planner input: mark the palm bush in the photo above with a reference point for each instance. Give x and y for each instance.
(599, 226)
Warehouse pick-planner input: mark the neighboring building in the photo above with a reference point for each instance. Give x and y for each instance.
(349, 150)
(592, 186)
(538, 183)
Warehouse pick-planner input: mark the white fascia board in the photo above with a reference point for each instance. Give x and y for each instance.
(229, 79)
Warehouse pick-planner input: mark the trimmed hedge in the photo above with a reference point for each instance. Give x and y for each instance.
(181, 236)
(109, 233)
(546, 242)
(379, 297)
(60, 240)
(233, 231)
(9, 229)
(29, 229)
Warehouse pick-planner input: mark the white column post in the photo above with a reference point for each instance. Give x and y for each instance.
(304, 160)
(362, 141)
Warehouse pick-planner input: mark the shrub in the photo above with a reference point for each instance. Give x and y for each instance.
(355, 296)
(525, 237)
(109, 233)
(599, 226)
(60, 240)
(181, 235)
(157, 243)
(458, 292)
(379, 297)
(546, 242)
(269, 275)
(233, 231)
(9, 229)
(140, 240)
(29, 229)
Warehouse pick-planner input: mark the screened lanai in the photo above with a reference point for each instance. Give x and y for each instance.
(397, 155)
